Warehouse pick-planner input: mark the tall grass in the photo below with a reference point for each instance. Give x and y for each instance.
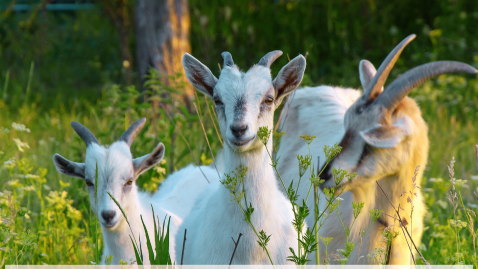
(45, 216)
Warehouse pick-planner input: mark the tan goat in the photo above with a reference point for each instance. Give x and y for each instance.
(384, 139)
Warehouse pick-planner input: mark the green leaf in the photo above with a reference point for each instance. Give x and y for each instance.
(139, 261)
(148, 241)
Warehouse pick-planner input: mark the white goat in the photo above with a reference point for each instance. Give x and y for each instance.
(384, 139)
(244, 102)
(117, 173)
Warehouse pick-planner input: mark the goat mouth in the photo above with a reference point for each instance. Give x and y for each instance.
(242, 143)
(110, 225)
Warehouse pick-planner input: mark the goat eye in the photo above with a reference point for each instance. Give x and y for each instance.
(217, 101)
(129, 182)
(89, 183)
(360, 109)
(269, 100)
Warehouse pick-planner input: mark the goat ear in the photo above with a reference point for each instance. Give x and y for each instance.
(367, 71)
(388, 136)
(68, 167)
(199, 75)
(144, 163)
(289, 78)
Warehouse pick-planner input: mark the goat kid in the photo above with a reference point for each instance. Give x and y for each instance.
(117, 174)
(244, 102)
(383, 138)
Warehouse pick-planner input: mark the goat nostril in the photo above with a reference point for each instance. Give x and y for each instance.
(238, 130)
(108, 215)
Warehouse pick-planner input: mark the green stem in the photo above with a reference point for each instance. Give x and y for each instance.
(30, 76)
(5, 86)
(316, 230)
(274, 165)
(253, 228)
(470, 224)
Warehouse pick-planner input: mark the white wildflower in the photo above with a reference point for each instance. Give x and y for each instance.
(10, 164)
(20, 127)
(21, 145)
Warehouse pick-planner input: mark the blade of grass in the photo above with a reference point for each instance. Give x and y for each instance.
(30, 76)
(207, 140)
(135, 245)
(97, 253)
(187, 143)
(406, 230)
(148, 242)
(5, 86)
(213, 122)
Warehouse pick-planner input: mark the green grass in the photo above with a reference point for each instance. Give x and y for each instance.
(46, 218)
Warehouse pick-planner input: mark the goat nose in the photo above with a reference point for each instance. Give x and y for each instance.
(108, 215)
(238, 129)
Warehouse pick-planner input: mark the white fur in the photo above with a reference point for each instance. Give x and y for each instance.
(321, 111)
(174, 198)
(214, 219)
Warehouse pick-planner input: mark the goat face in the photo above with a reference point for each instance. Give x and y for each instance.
(117, 172)
(380, 125)
(245, 101)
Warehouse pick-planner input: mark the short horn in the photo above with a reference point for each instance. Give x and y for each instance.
(382, 73)
(227, 59)
(269, 58)
(400, 87)
(130, 134)
(85, 134)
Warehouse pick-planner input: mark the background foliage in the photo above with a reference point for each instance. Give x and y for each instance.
(63, 66)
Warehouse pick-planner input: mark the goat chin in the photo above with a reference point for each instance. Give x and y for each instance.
(320, 111)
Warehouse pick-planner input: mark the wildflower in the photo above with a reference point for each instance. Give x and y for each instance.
(205, 160)
(304, 163)
(458, 224)
(21, 145)
(357, 208)
(10, 163)
(331, 152)
(278, 135)
(20, 127)
(316, 180)
(308, 139)
(326, 240)
(264, 133)
(375, 214)
(4, 130)
(160, 170)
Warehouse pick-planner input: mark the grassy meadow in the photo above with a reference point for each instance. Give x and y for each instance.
(46, 217)
(61, 67)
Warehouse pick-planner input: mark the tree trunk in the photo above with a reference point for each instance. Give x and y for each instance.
(162, 37)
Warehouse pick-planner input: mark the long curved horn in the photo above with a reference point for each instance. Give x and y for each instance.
(382, 73)
(227, 59)
(269, 58)
(130, 134)
(400, 87)
(85, 134)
